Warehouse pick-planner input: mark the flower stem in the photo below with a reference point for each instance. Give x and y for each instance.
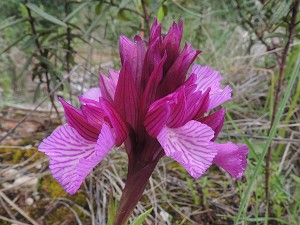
(133, 190)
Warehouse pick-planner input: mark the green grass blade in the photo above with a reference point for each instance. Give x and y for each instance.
(77, 10)
(142, 217)
(45, 15)
(270, 137)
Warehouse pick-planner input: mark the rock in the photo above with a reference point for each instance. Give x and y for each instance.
(29, 201)
(36, 196)
(186, 210)
(164, 215)
(10, 174)
(26, 180)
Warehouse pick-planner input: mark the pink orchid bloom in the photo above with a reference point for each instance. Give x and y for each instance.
(156, 108)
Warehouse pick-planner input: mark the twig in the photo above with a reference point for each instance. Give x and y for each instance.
(43, 100)
(12, 204)
(12, 221)
(69, 48)
(291, 34)
(146, 16)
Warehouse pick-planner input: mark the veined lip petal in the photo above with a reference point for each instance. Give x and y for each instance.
(189, 145)
(69, 153)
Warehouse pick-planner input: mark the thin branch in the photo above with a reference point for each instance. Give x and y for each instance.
(146, 16)
(69, 48)
(42, 54)
(17, 208)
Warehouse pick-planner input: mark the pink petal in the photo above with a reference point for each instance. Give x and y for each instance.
(105, 142)
(215, 121)
(107, 87)
(114, 77)
(207, 78)
(117, 123)
(176, 75)
(189, 145)
(92, 94)
(135, 54)
(232, 158)
(77, 120)
(126, 96)
(171, 44)
(68, 150)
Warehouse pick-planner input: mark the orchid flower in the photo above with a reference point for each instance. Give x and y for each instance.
(157, 106)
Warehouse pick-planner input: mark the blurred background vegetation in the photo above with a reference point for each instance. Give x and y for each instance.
(50, 48)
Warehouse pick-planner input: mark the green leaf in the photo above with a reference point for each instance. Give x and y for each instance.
(45, 15)
(99, 8)
(11, 23)
(95, 22)
(142, 217)
(78, 9)
(162, 12)
(112, 207)
(282, 9)
(37, 92)
(122, 15)
(123, 3)
(13, 44)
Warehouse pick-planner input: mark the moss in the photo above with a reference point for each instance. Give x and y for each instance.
(17, 156)
(51, 187)
(26, 141)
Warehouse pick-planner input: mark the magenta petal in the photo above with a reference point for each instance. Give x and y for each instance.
(169, 110)
(189, 145)
(232, 158)
(105, 142)
(197, 104)
(126, 96)
(215, 121)
(119, 126)
(152, 60)
(77, 120)
(157, 117)
(94, 115)
(92, 94)
(151, 87)
(65, 147)
(171, 44)
(176, 75)
(155, 32)
(135, 54)
(207, 78)
(178, 110)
